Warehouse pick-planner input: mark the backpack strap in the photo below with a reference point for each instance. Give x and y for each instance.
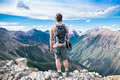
(66, 31)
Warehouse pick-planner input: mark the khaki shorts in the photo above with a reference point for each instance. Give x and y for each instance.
(60, 52)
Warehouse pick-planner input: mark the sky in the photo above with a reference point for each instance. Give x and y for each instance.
(77, 14)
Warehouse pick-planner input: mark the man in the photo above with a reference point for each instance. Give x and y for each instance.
(59, 34)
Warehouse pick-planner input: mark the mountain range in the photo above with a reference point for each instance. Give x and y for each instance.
(97, 49)
(33, 45)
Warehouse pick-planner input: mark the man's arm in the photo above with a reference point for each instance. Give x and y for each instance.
(68, 33)
(51, 38)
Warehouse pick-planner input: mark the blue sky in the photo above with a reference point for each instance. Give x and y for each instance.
(78, 14)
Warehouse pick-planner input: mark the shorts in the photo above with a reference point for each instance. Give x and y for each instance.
(60, 52)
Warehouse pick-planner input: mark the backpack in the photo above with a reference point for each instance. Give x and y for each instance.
(60, 34)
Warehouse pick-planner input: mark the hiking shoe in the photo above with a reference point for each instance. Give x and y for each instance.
(67, 73)
(60, 74)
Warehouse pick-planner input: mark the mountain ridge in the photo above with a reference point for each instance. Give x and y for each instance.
(99, 46)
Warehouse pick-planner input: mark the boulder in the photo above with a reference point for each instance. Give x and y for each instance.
(21, 62)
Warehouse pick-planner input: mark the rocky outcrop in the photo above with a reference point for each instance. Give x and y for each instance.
(113, 77)
(18, 70)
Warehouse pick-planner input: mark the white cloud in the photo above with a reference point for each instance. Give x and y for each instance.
(47, 10)
(21, 4)
(40, 27)
(108, 10)
(112, 27)
(106, 27)
(8, 23)
(13, 26)
(119, 29)
(88, 20)
(16, 28)
(71, 25)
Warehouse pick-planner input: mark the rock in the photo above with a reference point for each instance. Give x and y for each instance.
(10, 78)
(97, 75)
(107, 78)
(86, 78)
(36, 76)
(18, 68)
(1, 76)
(26, 78)
(75, 71)
(3, 63)
(54, 75)
(52, 71)
(40, 76)
(84, 71)
(18, 75)
(10, 63)
(48, 75)
(21, 62)
(116, 77)
(91, 74)
(34, 69)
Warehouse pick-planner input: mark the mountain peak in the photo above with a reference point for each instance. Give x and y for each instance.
(75, 32)
(47, 31)
(32, 31)
(102, 31)
(3, 29)
(93, 30)
(118, 30)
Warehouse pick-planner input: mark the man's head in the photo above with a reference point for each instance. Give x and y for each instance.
(58, 17)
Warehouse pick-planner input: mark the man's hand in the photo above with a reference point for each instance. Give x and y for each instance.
(51, 50)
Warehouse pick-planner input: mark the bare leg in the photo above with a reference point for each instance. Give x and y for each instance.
(58, 65)
(65, 62)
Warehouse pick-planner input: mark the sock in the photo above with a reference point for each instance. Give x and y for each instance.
(59, 70)
(66, 69)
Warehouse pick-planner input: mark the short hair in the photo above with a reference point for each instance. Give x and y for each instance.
(59, 17)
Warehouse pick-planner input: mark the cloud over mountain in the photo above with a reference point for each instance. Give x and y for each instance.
(21, 4)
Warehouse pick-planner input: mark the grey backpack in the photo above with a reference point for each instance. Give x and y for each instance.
(60, 34)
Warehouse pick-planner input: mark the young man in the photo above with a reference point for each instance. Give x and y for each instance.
(59, 33)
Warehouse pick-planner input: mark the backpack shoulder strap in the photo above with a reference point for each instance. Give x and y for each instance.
(65, 28)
